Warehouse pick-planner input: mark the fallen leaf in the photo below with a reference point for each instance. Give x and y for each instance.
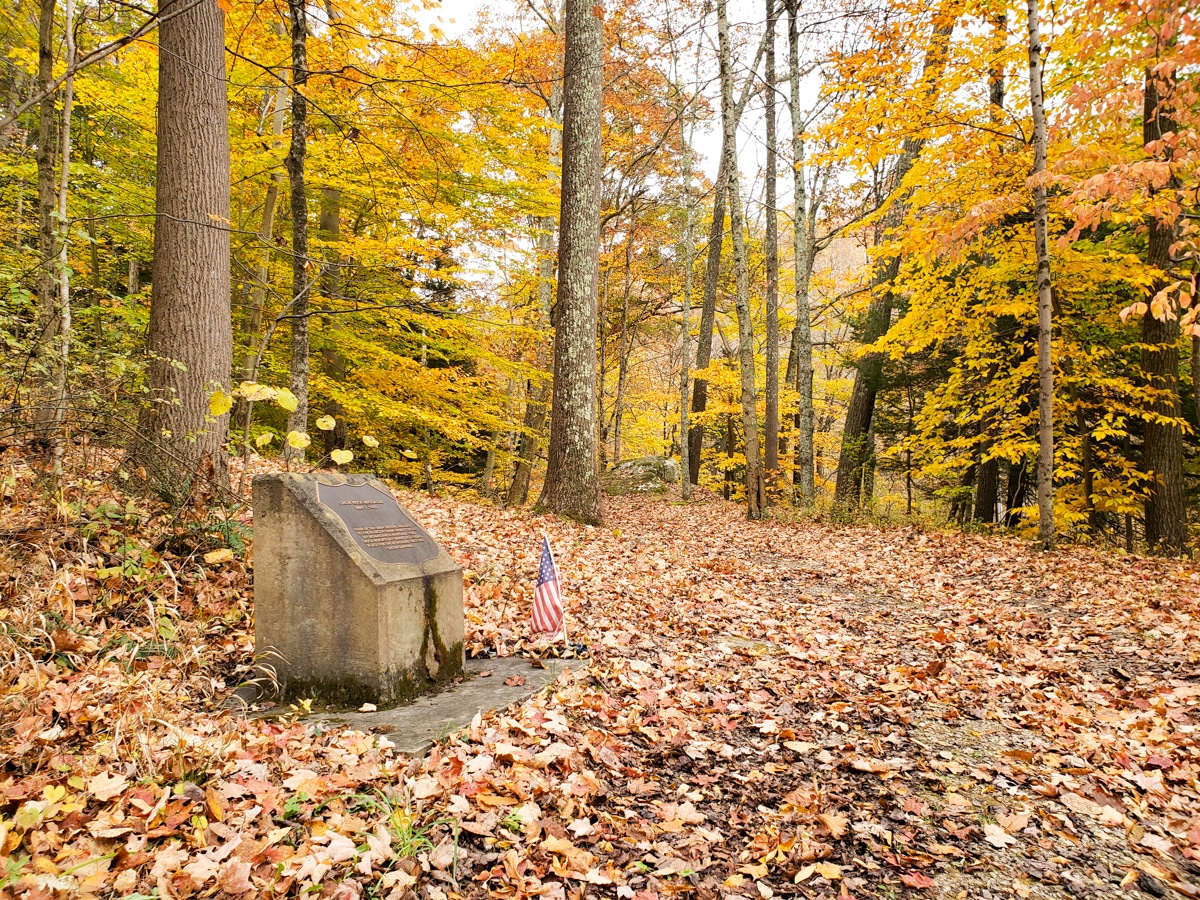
(997, 836)
(917, 880)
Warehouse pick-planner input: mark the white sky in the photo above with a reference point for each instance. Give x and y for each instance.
(457, 17)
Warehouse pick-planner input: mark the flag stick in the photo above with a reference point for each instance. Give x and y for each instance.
(562, 600)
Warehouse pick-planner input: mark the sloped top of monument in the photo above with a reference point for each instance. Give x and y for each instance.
(362, 514)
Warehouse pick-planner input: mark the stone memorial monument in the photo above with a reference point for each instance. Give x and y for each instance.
(353, 601)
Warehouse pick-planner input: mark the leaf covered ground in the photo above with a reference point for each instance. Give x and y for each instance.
(769, 709)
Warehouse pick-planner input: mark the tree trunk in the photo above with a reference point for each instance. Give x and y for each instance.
(1045, 468)
(572, 485)
(537, 392)
(1162, 456)
(1196, 376)
(708, 314)
(861, 412)
(688, 254)
(190, 341)
(987, 490)
(712, 274)
(330, 227)
(262, 269)
(622, 352)
(333, 363)
(301, 284)
(800, 365)
(63, 276)
(755, 486)
(771, 428)
(727, 484)
(44, 328)
(1018, 486)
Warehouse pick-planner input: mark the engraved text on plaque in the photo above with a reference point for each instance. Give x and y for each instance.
(377, 523)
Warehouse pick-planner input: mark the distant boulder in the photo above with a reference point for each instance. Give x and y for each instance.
(644, 475)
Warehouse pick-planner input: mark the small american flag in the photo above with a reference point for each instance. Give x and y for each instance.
(547, 601)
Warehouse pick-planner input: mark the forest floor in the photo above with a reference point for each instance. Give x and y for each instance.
(769, 709)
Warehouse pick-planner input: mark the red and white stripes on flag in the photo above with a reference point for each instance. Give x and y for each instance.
(547, 599)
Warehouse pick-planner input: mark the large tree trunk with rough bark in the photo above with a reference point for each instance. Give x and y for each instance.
(856, 451)
(572, 487)
(1162, 456)
(1041, 216)
(190, 342)
(301, 283)
(755, 485)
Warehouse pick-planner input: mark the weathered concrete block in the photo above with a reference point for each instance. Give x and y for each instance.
(353, 601)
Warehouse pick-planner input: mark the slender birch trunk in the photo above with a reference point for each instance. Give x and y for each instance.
(63, 275)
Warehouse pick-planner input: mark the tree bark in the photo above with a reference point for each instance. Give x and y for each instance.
(712, 274)
(804, 220)
(755, 486)
(623, 349)
(860, 414)
(771, 425)
(262, 268)
(537, 391)
(572, 487)
(1196, 376)
(63, 275)
(44, 327)
(1162, 454)
(708, 314)
(987, 491)
(688, 253)
(190, 342)
(301, 284)
(1045, 468)
(1018, 486)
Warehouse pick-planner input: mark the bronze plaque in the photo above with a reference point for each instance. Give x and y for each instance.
(378, 524)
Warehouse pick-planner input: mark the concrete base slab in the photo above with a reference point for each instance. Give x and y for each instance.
(414, 727)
